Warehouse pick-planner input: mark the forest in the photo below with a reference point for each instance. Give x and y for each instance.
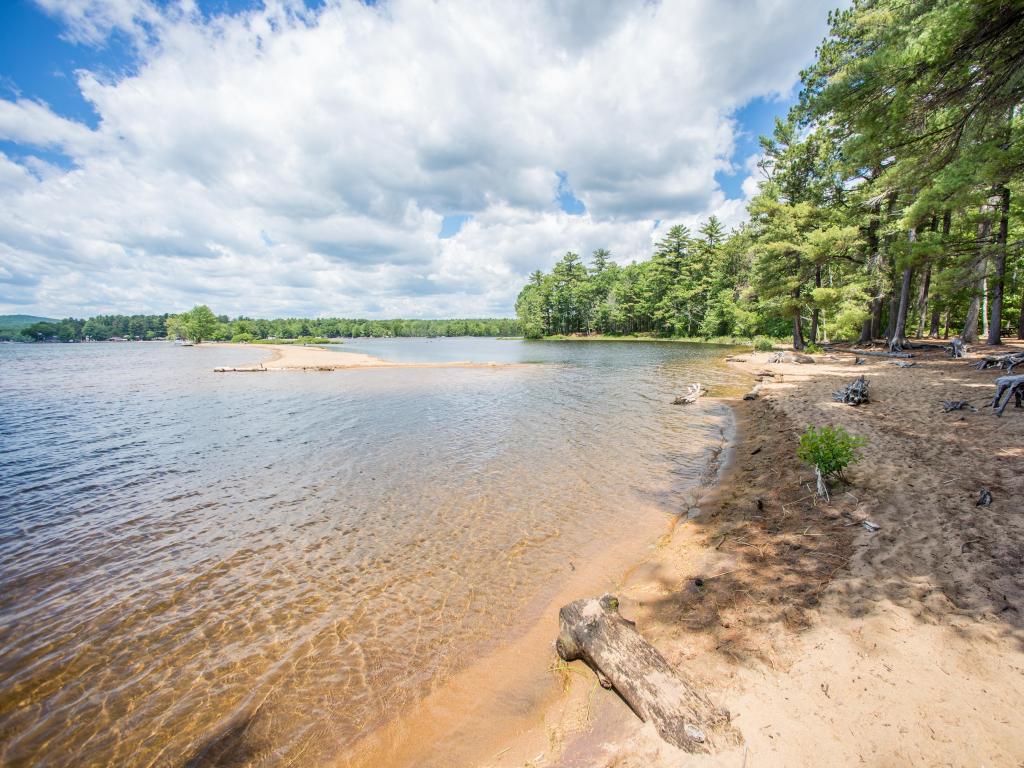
(888, 207)
(243, 329)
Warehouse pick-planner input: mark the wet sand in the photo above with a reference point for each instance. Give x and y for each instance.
(895, 647)
(291, 357)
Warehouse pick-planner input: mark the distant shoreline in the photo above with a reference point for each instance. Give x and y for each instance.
(722, 341)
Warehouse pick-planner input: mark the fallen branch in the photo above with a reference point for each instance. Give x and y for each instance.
(956, 405)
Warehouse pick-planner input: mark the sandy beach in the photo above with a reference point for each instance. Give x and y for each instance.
(827, 642)
(291, 357)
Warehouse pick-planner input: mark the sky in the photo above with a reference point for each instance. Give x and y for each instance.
(400, 158)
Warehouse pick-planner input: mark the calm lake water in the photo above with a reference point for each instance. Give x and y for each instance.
(204, 568)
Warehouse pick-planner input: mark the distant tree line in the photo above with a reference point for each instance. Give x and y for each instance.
(202, 324)
(889, 204)
(690, 287)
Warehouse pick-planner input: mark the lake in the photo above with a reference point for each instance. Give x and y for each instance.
(237, 569)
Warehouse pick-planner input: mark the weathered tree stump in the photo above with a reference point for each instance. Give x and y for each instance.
(1013, 386)
(855, 393)
(593, 630)
(956, 347)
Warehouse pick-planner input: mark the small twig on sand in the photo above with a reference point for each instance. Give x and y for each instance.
(725, 573)
(966, 544)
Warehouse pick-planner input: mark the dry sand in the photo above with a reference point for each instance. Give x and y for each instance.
(292, 357)
(830, 644)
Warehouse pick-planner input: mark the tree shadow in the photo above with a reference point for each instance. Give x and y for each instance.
(774, 550)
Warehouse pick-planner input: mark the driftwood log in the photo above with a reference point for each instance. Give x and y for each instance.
(593, 630)
(871, 353)
(789, 357)
(692, 395)
(1006, 361)
(855, 393)
(1013, 386)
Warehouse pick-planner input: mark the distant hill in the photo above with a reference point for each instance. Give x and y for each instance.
(18, 322)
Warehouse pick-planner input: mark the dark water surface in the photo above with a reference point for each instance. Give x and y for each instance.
(185, 554)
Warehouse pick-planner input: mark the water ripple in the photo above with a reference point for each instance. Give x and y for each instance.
(296, 558)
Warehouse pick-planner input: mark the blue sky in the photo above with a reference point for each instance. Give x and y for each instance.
(337, 158)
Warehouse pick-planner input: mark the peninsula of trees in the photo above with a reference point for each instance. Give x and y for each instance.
(201, 323)
(889, 204)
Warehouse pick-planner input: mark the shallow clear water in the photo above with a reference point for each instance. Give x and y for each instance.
(189, 555)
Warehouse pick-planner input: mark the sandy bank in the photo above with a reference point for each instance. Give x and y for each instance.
(289, 357)
(830, 644)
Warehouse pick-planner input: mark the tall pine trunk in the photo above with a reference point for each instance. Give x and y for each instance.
(1020, 323)
(899, 331)
(933, 331)
(898, 337)
(869, 330)
(894, 308)
(815, 311)
(970, 334)
(922, 300)
(798, 331)
(995, 323)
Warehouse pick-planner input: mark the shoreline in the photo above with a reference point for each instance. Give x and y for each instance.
(291, 357)
(903, 645)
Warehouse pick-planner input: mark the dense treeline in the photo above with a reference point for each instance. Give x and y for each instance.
(220, 328)
(889, 204)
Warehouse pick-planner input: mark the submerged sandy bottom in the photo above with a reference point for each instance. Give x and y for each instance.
(292, 357)
(360, 569)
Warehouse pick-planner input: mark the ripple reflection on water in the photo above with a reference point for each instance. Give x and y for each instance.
(250, 569)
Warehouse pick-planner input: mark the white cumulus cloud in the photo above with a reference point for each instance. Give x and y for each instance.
(294, 161)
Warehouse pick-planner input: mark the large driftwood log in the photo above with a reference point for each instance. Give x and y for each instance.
(1006, 361)
(870, 353)
(593, 630)
(1013, 386)
(790, 357)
